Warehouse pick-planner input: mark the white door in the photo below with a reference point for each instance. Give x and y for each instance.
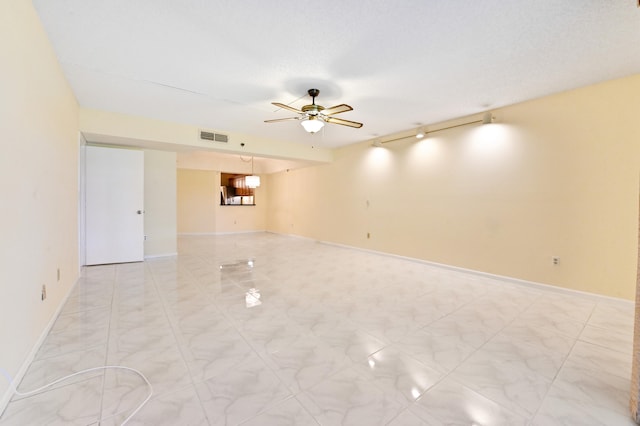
(114, 205)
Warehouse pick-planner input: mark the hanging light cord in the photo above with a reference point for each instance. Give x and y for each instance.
(250, 160)
(106, 367)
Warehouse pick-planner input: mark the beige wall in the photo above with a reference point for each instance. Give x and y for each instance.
(197, 197)
(200, 212)
(557, 176)
(160, 217)
(38, 183)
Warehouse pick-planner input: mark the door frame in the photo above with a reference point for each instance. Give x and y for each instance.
(82, 202)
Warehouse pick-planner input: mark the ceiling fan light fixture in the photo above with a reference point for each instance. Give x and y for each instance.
(312, 124)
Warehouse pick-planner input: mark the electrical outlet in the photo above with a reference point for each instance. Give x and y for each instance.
(44, 292)
(555, 260)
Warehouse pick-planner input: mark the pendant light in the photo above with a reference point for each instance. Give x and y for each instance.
(252, 181)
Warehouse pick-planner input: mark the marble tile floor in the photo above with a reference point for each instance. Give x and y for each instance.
(264, 329)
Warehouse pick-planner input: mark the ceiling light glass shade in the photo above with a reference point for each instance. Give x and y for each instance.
(312, 124)
(252, 181)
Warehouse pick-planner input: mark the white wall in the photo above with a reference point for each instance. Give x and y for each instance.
(160, 223)
(38, 185)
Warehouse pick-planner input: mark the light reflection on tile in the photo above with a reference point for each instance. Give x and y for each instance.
(452, 403)
(398, 373)
(347, 339)
(447, 347)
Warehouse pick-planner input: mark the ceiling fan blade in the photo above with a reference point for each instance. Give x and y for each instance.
(282, 119)
(334, 120)
(279, 105)
(337, 109)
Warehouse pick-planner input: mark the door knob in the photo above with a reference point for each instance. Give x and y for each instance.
(139, 211)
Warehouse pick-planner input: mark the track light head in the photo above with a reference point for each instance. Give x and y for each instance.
(488, 118)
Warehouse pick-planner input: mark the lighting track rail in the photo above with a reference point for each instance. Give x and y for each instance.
(420, 133)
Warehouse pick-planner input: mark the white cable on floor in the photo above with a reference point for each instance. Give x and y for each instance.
(106, 367)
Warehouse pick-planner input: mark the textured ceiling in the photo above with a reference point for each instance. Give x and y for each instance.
(219, 64)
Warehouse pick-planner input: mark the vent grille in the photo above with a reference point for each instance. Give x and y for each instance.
(215, 137)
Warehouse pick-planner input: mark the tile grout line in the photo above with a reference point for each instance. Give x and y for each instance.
(555, 377)
(106, 352)
(173, 326)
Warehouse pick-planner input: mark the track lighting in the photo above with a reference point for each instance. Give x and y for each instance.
(421, 132)
(488, 118)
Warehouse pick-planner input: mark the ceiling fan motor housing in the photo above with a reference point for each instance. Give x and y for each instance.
(312, 109)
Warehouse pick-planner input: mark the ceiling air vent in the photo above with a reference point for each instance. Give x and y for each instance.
(216, 137)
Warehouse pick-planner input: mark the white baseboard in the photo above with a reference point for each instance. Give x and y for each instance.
(197, 234)
(153, 256)
(17, 378)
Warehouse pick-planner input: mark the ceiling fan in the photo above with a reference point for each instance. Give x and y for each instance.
(314, 116)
